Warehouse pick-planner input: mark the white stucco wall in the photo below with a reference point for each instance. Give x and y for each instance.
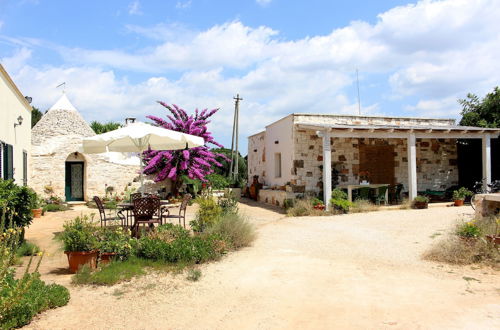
(257, 157)
(279, 139)
(13, 105)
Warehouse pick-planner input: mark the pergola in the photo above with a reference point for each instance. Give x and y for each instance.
(411, 134)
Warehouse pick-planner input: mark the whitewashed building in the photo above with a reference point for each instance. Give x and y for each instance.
(57, 161)
(300, 151)
(15, 131)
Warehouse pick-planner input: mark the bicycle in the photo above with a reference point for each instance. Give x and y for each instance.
(491, 188)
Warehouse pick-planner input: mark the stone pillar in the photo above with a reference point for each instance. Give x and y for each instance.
(486, 150)
(327, 169)
(412, 166)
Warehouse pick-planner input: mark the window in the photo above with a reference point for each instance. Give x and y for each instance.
(7, 162)
(277, 165)
(25, 168)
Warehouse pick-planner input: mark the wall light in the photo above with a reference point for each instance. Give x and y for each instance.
(19, 121)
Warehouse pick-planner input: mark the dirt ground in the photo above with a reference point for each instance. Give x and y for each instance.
(359, 271)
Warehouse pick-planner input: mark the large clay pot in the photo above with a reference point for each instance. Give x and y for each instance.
(78, 259)
(37, 213)
(106, 257)
(459, 202)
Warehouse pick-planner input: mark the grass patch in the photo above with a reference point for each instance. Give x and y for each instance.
(194, 275)
(116, 272)
(27, 249)
(362, 206)
(463, 248)
(405, 204)
(304, 208)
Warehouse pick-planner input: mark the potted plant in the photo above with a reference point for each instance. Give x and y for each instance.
(114, 244)
(318, 204)
(36, 207)
(364, 177)
(420, 202)
(460, 194)
(80, 243)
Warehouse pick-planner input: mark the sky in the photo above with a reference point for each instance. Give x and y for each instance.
(118, 58)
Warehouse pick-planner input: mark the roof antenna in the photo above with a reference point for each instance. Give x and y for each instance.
(359, 100)
(64, 87)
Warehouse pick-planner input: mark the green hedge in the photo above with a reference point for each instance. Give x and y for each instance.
(17, 201)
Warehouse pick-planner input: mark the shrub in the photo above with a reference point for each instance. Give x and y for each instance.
(234, 229)
(461, 193)
(468, 230)
(421, 199)
(27, 249)
(208, 213)
(174, 244)
(288, 203)
(228, 203)
(79, 234)
(217, 181)
(16, 202)
(338, 193)
(303, 207)
(115, 240)
(37, 297)
(55, 208)
(341, 205)
(362, 205)
(194, 275)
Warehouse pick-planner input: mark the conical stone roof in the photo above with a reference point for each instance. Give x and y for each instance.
(61, 119)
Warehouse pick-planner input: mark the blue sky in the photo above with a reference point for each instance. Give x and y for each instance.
(118, 57)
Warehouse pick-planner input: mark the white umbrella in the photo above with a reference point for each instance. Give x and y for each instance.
(137, 137)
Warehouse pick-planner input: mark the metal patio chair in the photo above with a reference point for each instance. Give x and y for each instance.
(105, 218)
(182, 211)
(144, 210)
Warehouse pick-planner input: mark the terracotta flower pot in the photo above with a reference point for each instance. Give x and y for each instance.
(37, 213)
(78, 259)
(106, 257)
(319, 207)
(459, 202)
(493, 239)
(420, 205)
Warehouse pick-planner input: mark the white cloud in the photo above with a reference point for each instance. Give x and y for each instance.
(183, 4)
(134, 8)
(430, 52)
(263, 3)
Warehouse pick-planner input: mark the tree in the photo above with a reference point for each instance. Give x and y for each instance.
(195, 163)
(226, 161)
(36, 115)
(481, 113)
(100, 128)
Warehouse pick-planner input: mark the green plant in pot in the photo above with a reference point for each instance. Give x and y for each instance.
(460, 194)
(114, 244)
(420, 202)
(80, 243)
(37, 206)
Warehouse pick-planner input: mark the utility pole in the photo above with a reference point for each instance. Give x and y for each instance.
(233, 169)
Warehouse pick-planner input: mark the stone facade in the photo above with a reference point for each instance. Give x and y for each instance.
(436, 159)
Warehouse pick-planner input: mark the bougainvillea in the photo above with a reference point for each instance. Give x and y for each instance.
(197, 162)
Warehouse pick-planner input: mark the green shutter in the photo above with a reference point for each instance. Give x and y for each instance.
(8, 164)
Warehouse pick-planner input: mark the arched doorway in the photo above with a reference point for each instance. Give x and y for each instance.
(75, 177)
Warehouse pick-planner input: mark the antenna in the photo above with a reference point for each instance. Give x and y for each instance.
(359, 99)
(64, 86)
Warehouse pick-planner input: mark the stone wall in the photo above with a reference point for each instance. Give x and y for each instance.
(436, 161)
(48, 168)
(257, 157)
(368, 120)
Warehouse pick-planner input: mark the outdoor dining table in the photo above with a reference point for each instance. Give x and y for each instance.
(129, 206)
(376, 186)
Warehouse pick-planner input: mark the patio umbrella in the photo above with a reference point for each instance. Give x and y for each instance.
(137, 137)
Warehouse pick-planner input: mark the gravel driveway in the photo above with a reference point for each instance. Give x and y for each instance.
(359, 271)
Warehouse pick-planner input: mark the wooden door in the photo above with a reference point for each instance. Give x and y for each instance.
(379, 162)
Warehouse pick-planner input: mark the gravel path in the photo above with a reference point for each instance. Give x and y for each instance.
(353, 271)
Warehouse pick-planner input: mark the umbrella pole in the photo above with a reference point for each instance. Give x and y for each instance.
(142, 175)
